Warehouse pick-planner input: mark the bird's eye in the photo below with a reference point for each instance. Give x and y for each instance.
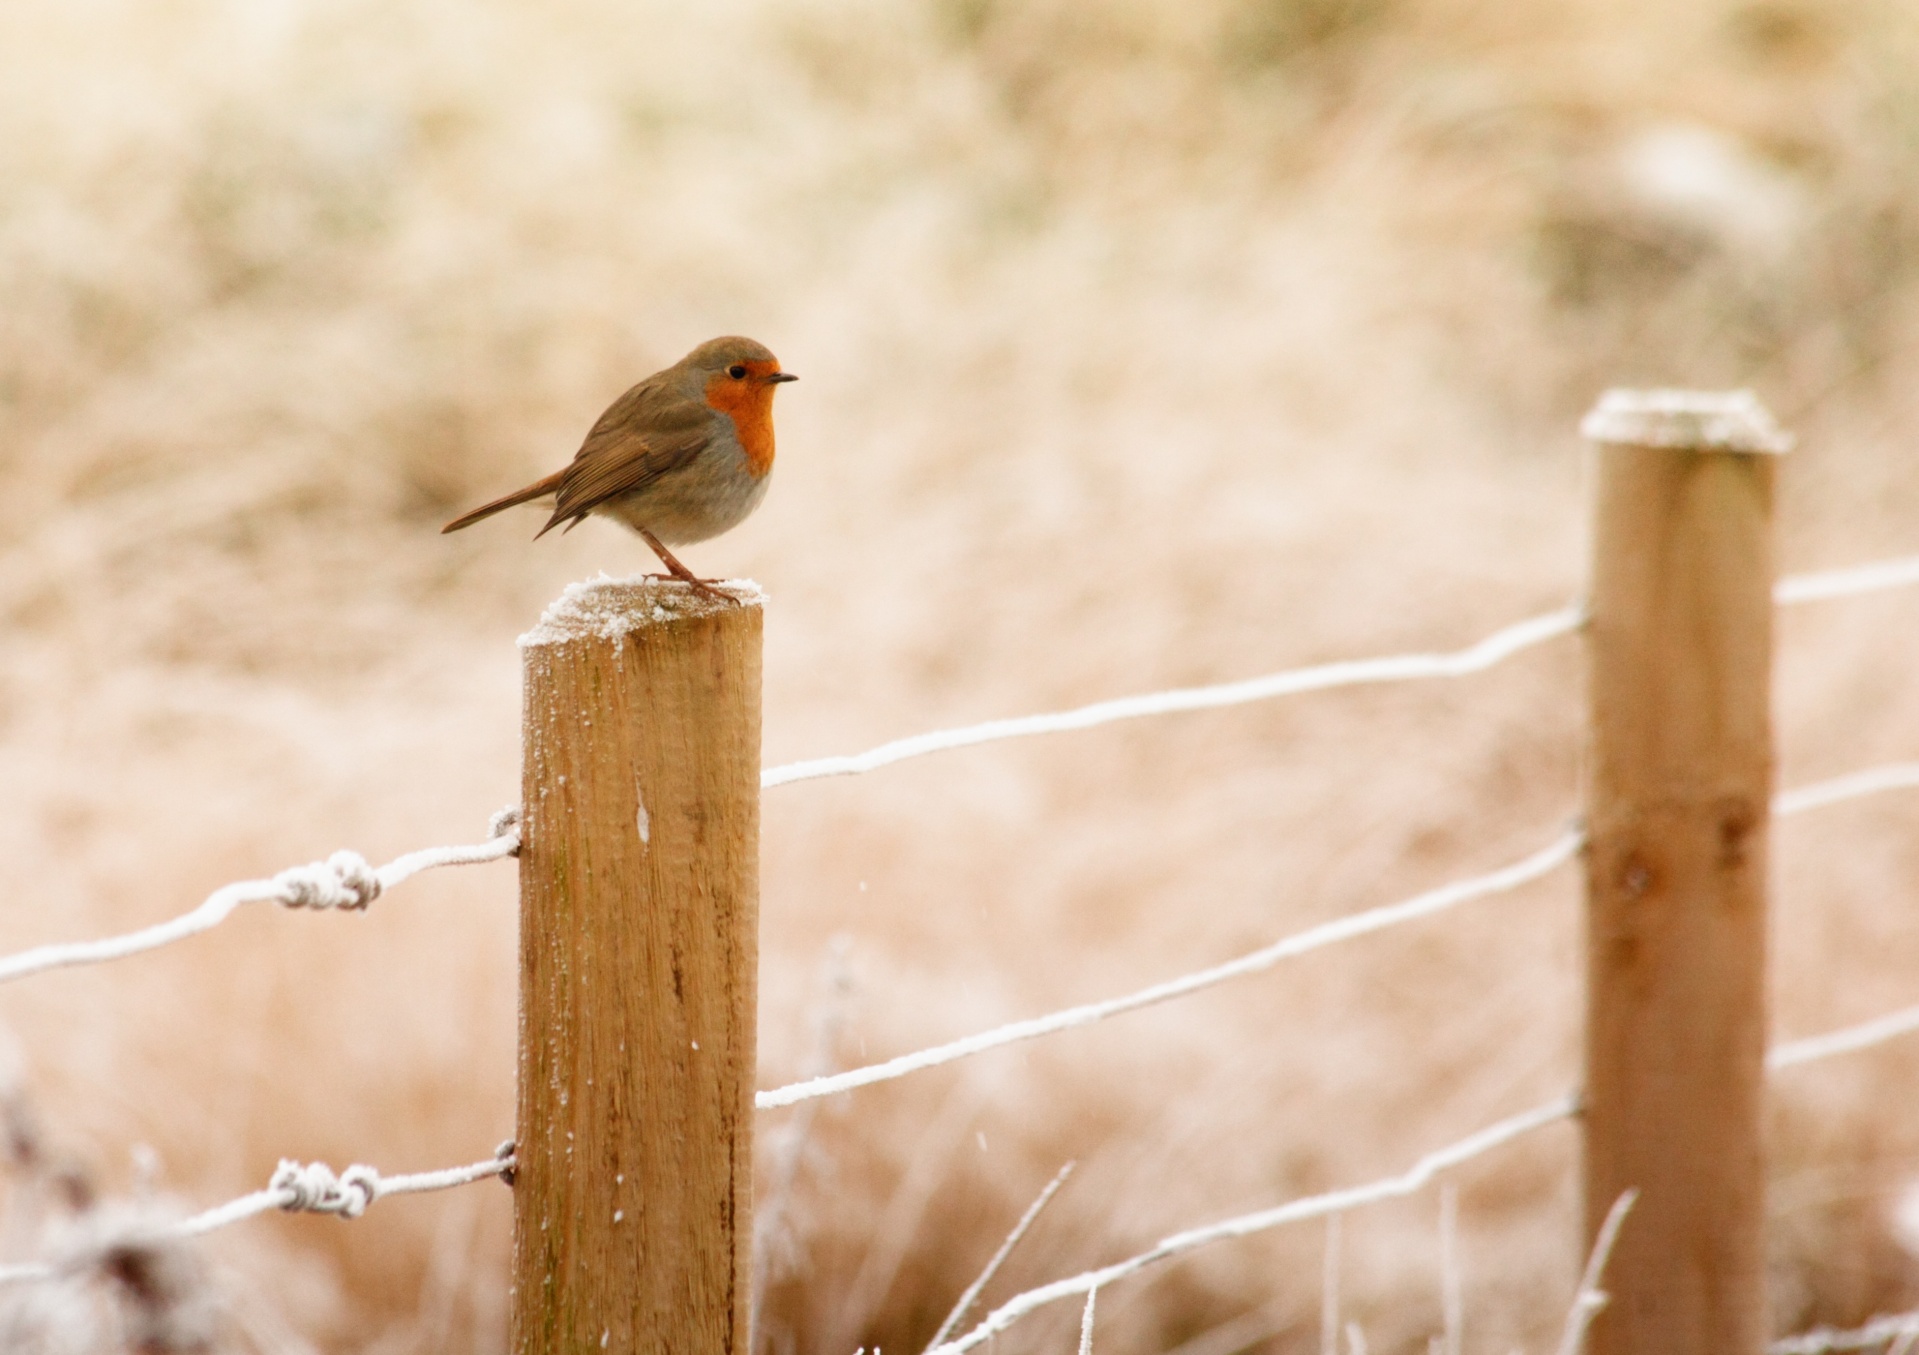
(737, 372)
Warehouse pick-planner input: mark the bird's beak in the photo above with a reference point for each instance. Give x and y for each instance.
(778, 377)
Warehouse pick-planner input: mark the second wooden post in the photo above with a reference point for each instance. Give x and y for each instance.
(639, 885)
(1678, 797)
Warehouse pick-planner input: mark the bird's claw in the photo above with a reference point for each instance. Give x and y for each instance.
(704, 587)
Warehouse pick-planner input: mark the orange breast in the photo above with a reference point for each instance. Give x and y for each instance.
(749, 404)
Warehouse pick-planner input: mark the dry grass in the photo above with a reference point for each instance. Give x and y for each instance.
(1142, 343)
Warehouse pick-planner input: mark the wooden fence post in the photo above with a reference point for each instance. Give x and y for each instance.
(1678, 805)
(639, 883)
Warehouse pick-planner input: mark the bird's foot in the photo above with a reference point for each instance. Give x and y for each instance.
(680, 571)
(704, 587)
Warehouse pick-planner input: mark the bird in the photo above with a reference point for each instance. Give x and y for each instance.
(681, 457)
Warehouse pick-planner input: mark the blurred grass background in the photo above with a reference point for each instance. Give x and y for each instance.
(1145, 342)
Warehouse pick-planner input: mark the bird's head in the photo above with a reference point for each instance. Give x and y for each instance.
(735, 372)
(737, 378)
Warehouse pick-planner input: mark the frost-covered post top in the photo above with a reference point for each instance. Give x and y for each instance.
(1708, 421)
(608, 608)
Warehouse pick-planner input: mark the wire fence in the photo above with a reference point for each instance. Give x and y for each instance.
(346, 881)
(296, 1187)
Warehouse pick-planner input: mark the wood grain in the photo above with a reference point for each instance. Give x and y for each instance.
(1679, 787)
(639, 884)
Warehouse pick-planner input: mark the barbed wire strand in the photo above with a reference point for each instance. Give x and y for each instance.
(344, 880)
(1495, 648)
(1850, 582)
(1892, 776)
(1845, 1040)
(1821, 1340)
(1409, 1182)
(1873, 780)
(1548, 858)
(296, 1187)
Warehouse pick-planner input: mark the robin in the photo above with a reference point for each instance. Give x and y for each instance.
(683, 456)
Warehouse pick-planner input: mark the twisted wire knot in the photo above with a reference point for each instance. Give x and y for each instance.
(343, 880)
(313, 1188)
(506, 821)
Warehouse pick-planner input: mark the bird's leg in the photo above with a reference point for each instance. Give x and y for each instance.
(680, 571)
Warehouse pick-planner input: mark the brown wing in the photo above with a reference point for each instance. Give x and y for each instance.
(647, 432)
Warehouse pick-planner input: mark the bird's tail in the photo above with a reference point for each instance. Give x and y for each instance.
(486, 510)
